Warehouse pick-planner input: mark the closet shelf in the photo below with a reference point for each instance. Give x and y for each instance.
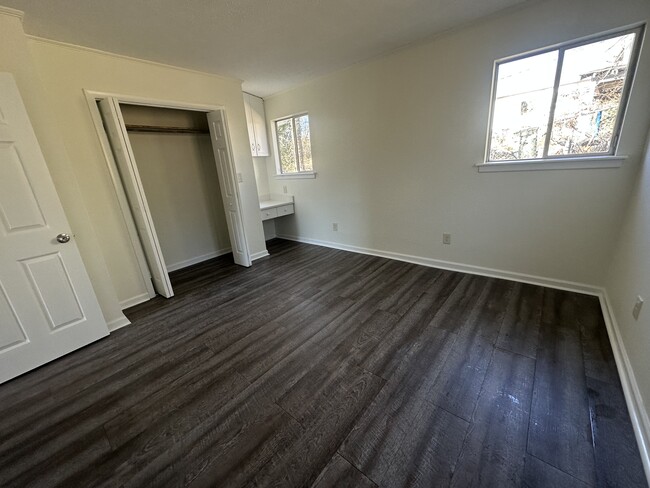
(170, 130)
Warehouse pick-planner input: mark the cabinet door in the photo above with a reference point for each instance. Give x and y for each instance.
(249, 123)
(259, 126)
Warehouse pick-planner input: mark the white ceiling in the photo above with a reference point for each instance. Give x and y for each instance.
(271, 45)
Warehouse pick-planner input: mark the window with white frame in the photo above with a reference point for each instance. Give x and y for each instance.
(293, 144)
(566, 101)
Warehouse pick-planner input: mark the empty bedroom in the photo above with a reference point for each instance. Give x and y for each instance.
(360, 244)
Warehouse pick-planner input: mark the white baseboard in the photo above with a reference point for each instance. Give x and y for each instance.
(452, 266)
(259, 255)
(118, 323)
(133, 301)
(633, 398)
(197, 260)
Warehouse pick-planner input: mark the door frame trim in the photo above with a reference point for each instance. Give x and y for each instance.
(92, 97)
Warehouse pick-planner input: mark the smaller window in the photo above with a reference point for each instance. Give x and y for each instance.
(293, 145)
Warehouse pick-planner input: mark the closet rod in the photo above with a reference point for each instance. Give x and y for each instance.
(171, 130)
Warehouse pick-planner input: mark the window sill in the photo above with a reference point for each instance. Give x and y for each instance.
(296, 176)
(588, 162)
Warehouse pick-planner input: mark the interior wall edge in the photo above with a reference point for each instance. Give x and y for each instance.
(504, 12)
(118, 323)
(133, 301)
(12, 12)
(79, 47)
(259, 255)
(197, 259)
(585, 288)
(633, 398)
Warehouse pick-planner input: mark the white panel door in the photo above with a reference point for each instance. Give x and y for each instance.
(47, 305)
(229, 187)
(125, 160)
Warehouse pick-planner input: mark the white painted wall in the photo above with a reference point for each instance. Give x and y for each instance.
(67, 70)
(394, 142)
(629, 276)
(180, 180)
(261, 175)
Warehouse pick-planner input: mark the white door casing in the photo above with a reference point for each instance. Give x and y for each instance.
(229, 186)
(125, 160)
(48, 307)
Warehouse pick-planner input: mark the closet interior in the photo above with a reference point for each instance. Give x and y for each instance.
(172, 154)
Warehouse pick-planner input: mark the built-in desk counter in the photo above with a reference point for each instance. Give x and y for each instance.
(273, 206)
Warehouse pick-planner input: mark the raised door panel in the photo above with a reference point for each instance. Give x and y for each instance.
(51, 282)
(19, 207)
(230, 202)
(12, 332)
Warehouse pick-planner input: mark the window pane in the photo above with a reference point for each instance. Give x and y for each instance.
(304, 143)
(589, 96)
(286, 146)
(522, 107)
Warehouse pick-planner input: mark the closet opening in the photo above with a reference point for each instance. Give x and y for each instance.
(174, 175)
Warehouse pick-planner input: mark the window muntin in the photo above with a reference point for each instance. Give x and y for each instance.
(293, 140)
(563, 102)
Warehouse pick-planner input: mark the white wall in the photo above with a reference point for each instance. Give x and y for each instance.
(261, 175)
(66, 71)
(394, 142)
(180, 180)
(629, 276)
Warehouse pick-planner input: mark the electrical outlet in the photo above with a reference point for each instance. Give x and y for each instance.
(240, 178)
(284, 188)
(446, 238)
(637, 307)
(335, 227)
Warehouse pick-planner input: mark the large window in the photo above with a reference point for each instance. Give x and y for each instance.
(293, 145)
(562, 102)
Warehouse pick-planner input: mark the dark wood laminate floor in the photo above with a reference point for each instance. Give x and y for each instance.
(323, 368)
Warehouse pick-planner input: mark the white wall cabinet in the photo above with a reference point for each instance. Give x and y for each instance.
(256, 121)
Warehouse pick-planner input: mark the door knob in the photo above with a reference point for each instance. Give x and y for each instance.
(63, 238)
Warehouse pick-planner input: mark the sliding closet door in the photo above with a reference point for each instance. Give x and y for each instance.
(119, 140)
(229, 188)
